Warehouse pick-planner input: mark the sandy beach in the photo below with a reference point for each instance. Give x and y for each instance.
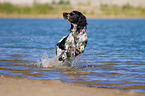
(10, 86)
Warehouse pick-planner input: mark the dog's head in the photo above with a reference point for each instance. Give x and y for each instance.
(76, 18)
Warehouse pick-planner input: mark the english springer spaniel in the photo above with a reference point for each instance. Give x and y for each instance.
(74, 44)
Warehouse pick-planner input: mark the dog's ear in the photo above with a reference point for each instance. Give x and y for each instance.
(82, 22)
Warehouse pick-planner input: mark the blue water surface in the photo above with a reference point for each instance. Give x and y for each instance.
(114, 56)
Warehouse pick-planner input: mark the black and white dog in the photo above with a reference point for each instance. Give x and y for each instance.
(74, 44)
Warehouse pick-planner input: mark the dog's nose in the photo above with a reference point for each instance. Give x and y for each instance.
(65, 14)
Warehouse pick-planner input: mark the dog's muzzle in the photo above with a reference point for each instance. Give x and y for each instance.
(66, 16)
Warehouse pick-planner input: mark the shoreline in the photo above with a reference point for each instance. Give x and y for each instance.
(13, 86)
(59, 16)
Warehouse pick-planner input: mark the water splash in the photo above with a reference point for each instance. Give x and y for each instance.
(47, 61)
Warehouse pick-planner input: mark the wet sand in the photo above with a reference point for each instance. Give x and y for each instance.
(10, 86)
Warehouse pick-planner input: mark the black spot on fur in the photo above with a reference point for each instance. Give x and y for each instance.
(62, 44)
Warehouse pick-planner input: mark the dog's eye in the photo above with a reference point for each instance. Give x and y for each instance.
(72, 13)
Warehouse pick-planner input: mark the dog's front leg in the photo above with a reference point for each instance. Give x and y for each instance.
(70, 46)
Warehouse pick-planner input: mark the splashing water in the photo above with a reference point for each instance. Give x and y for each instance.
(47, 61)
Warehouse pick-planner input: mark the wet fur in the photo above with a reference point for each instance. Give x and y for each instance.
(74, 44)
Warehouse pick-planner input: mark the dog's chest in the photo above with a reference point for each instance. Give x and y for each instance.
(76, 41)
(70, 39)
(81, 36)
(75, 38)
(70, 46)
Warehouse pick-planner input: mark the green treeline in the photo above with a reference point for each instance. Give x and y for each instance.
(36, 8)
(123, 10)
(57, 8)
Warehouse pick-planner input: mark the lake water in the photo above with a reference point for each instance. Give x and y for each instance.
(114, 56)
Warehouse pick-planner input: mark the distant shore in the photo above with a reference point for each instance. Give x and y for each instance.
(59, 16)
(55, 10)
(10, 86)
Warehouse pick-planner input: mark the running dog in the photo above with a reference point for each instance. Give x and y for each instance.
(74, 44)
